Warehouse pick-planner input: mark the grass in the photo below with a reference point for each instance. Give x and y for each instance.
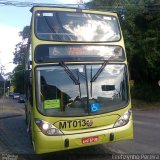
(141, 104)
(7, 108)
(146, 92)
(145, 96)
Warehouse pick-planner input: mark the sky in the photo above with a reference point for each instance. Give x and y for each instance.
(12, 21)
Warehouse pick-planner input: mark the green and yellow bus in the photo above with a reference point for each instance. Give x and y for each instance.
(77, 85)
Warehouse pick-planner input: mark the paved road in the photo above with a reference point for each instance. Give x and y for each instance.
(146, 134)
(14, 140)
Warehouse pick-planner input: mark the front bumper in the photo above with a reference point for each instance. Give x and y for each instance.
(46, 144)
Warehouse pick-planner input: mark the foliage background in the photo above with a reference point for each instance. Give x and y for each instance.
(141, 31)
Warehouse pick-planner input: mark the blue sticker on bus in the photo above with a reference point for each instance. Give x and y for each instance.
(94, 107)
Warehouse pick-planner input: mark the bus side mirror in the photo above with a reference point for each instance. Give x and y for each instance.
(108, 87)
(122, 17)
(29, 64)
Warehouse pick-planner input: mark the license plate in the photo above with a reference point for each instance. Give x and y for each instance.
(90, 139)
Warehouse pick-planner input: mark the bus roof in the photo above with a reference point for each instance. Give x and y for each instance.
(67, 6)
(78, 7)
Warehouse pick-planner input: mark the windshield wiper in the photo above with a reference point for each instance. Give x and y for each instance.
(93, 79)
(70, 74)
(72, 77)
(99, 71)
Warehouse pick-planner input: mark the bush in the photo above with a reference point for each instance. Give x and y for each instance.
(146, 92)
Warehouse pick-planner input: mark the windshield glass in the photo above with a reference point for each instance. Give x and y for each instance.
(68, 26)
(73, 90)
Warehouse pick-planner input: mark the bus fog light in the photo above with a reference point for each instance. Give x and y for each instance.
(124, 119)
(47, 128)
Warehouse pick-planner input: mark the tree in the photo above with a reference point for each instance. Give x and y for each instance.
(18, 79)
(21, 47)
(146, 56)
(19, 58)
(141, 34)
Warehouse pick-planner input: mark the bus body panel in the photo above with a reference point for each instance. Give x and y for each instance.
(75, 134)
(102, 121)
(45, 144)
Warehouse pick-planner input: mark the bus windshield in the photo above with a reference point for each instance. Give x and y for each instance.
(77, 90)
(78, 27)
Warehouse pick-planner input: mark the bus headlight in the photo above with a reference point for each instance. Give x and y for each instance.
(47, 128)
(124, 119)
